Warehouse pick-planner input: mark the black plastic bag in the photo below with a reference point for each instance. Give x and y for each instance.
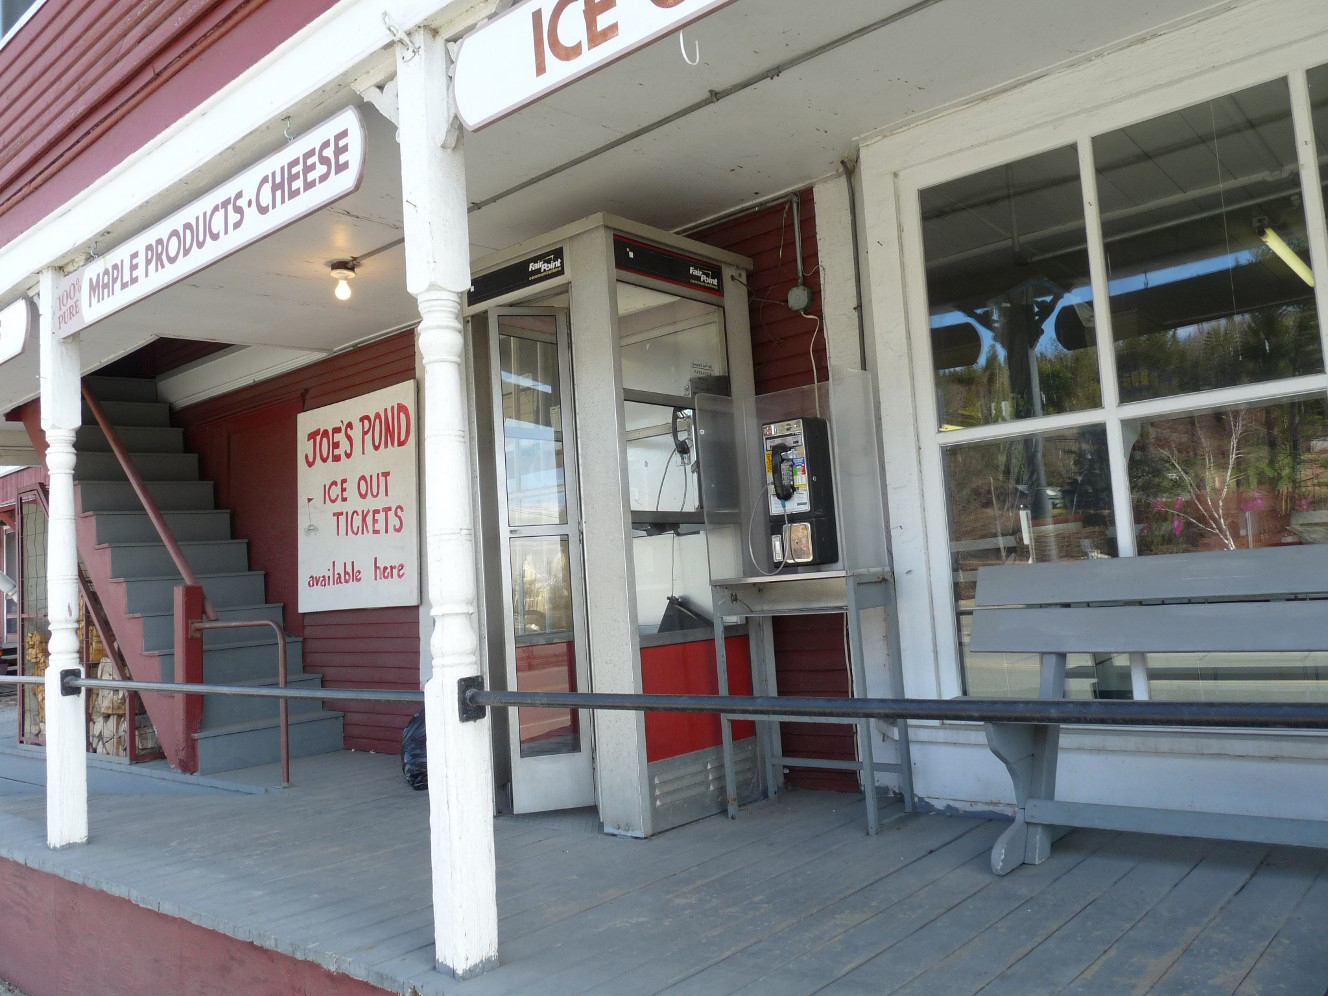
(414, 753)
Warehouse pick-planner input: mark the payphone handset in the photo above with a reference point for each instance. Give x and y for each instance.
(800, 492)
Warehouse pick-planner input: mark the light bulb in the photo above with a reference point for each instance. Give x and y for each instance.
(343, 272)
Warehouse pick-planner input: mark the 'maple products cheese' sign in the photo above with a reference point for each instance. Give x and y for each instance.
(312, 170)
(540, 46)
(358, 502)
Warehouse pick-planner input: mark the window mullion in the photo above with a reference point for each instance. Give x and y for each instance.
(1117, 454)
(1311, 196)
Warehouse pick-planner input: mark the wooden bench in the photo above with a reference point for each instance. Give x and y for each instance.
(1261, 601)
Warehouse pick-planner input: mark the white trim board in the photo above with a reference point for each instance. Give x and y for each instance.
(303, 76)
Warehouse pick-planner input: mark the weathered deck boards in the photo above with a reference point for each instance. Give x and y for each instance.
(790, 898)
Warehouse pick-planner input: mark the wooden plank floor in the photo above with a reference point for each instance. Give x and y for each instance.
(791, 898)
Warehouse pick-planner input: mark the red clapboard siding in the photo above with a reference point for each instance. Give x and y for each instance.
(247, 443)
(809, 650)
(100, 79)
(20, 480)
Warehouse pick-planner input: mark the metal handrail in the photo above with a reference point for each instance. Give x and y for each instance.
(149, 504)
(283, 706)
(1114, 712)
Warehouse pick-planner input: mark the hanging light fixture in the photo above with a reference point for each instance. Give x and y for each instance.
(1284, 252)
(343, 272)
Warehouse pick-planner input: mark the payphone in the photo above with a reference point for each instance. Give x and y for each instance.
(800, 492)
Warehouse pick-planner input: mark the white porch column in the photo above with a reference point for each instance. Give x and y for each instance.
(66, 733)
(461, 805)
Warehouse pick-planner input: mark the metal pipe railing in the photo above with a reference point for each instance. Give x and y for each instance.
(283, 705)
(149, 504)
(1291, 715)
(1116, 712)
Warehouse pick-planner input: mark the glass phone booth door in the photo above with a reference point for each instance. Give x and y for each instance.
(539, 525)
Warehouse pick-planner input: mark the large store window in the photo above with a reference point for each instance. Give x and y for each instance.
(1204, 425)
(1007, 280)
(1196, 208)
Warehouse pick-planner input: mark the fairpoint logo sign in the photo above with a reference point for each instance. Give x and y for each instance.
(311, 171)
(542, 45)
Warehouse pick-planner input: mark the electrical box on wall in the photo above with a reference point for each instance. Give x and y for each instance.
(800, 494)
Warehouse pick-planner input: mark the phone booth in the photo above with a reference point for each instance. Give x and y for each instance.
(588, 347)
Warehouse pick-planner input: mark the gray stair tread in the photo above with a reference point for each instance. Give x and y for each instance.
(234, 645)
(143, 435)
(156, 544)
(321, 716)
(233, 610)
(293, 679)
(201, 577)
(120, 484)
(112, 388)
(132, 414)
(165, 511)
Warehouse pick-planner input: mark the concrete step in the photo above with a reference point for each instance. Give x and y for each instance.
(122, 388)
(141, 560)
(155, 594)
(134, 438)
(93, 466)
(186, 526)
(119, 496)
(159, 627)
(243, 660)
(221, 711)
(245, 745)
(131, 413)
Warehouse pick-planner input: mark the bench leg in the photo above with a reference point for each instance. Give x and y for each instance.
(1028, 751)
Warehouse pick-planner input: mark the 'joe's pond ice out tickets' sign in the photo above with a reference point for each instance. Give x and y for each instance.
(358, 502)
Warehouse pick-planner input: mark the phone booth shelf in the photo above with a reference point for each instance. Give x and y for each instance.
(833, 486)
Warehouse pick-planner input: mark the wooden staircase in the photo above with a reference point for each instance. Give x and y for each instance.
(135, 578)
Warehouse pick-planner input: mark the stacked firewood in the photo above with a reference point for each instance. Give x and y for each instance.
(106, 715)
(36, 657)
(108, 722)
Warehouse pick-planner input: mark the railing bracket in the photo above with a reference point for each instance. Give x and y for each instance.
(68, 675)
(470, 711)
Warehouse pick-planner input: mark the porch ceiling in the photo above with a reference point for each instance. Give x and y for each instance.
(782, 91)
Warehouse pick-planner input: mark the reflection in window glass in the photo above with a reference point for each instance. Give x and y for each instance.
(1008, 286)
(672, 579)
(1026, 500)
(666, 341)
(543, 638)
(532, 420)
(1229, 480)
(1206, 249)
(660, 458)
(1318, 80)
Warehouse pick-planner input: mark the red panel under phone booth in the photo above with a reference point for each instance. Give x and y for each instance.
(689, 669)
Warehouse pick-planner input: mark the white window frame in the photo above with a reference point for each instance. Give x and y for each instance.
(1141, 81)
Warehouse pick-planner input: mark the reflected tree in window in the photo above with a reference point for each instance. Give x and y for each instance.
(1232, 479)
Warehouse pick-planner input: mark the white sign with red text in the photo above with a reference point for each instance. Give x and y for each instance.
(311, 171)
(358, 503)
(542, 45)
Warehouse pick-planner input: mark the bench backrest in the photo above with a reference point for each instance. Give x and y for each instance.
(1248, 600)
